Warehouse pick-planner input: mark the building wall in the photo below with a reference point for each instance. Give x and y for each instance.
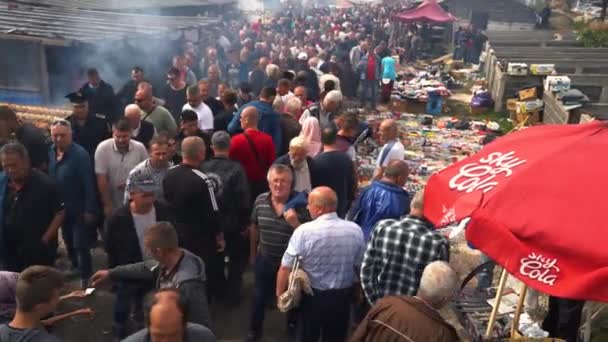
(21, 74)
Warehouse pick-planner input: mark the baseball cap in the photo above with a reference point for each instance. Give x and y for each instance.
(143, 181)
(221, 139)
(302, 56)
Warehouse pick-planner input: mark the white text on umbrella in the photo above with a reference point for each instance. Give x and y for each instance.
(539, 268)
(471, 176)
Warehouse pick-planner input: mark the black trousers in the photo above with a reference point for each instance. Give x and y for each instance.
(564, 318)
(324, 315)
(237, 251)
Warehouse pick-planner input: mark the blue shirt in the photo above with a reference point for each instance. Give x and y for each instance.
(388, 68)
(75, 179)
(331, 251)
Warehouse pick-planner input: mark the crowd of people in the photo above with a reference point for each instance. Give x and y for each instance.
(247, 155)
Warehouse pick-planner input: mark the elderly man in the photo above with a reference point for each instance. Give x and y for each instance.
(167, 317)
(330, 250)
(157, 115)
(414, 318)
(235, 208)
(397, 253)
(203, 112)
(191, 195)
(393, 148)
(383, 199)
(156, 166)
(174, 267)
(33, 212)
(254, 150)
(327, 111)
(301, 93)
(114, 159)
(276, 214)
(143, 131)
(302, 166)
(71, 167)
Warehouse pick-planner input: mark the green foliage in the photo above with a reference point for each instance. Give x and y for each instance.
(593, 34)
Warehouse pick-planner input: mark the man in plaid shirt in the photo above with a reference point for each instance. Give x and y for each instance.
(398, 252)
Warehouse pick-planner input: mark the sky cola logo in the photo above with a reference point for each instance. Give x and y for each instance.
(481, 175)
(539, 268)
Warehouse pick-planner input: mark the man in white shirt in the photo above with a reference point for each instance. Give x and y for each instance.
(392, 149)
(196, 104)
(283, 90)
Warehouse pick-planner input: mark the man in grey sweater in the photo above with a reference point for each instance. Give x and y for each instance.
(175, 268)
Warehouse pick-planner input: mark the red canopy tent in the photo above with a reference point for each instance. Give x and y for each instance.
(429, 10)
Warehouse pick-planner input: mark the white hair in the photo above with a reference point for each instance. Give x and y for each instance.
(293, 105)
(418, 200)
(298, 142)
(132, 108)
(278, 104)
(273, 71)
(438, 284)
(334, 96)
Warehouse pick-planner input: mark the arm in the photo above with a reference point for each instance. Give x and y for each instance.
(369, 270)
(170, 125)
(136, 271)
(104, 192)
(235, 123)
(282, 280)
(293, 251)
(54, 319)
(254, 235)
(53, 228)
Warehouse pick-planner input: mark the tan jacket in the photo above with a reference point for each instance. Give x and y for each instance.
(403, 319)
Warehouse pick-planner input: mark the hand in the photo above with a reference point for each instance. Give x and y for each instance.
(88, 218)
(107, 210)
(100, 277)
(76, 294)
(291, 217)
(220, 243)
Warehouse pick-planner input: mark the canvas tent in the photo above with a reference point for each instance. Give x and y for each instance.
(429, 10)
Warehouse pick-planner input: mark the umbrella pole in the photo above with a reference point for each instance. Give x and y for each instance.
(518, 309)
(497, 299)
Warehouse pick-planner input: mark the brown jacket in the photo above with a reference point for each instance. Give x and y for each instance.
(403, 319)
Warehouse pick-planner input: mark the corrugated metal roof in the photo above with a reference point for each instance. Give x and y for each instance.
(88, 25)
(109, 5)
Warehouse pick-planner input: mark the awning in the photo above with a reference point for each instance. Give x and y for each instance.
(429, 10)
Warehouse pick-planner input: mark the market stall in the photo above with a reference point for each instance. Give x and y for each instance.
(533, 204)
(40, 116)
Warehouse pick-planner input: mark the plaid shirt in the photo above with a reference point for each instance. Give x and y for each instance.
(396, 255)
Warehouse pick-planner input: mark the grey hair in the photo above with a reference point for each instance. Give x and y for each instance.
(15, 148)
(418, 200)
(438, 284)
(299, 142)
(293, 105)
(278, 104)
(279, 168)
(132, 108)
(273, 71)
(62, 122)
(333, 96)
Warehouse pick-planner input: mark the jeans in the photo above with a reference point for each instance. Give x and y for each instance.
(484, 278)
(264, 290)
(81, 259)
(325, 314)
(371, 87)
(76, 236)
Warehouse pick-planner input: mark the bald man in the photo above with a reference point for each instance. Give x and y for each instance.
(143, 131)
(167, 322)
(255, 151)
(392, 149)
(157, 115)
(331, 250)
(383, 199)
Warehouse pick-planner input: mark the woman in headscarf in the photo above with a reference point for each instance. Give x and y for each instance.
(311, 131)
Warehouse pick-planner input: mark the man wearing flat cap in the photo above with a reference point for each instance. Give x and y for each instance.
(88, 130)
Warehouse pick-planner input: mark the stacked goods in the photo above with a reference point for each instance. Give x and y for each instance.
(40, 116)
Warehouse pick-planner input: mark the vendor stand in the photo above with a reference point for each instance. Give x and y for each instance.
(534, 203)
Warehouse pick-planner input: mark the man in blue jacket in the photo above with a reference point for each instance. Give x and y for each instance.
(383, 199)
(269, 121)
(370, 75)
(71, 167)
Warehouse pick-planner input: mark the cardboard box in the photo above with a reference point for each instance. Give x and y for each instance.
(527, 94)
(533, 118)
(517, 69)
(557, 83)
(524, 107)
(512, 105)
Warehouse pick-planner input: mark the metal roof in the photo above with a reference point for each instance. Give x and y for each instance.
(88, 25)
(113, 5)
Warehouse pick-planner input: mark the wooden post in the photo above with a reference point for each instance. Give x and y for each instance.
(518, 309)
(497, 299)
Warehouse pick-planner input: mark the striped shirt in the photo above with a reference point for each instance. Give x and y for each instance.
(275, 232)
(331, 250)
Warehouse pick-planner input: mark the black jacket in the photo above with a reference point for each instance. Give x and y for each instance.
(102, 101)
(126, 94)
(94, 131)
(120, 238)
(145, 134)
(234, 201)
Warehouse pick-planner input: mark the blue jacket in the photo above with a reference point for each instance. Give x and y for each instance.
(269, 122)
(379, 201)
(75, 178)
(362, 67)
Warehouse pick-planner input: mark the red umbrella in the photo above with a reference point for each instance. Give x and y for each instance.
(536, 199)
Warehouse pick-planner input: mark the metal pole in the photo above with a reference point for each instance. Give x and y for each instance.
(518, 309)
(501, 287)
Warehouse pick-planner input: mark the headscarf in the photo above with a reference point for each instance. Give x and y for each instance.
(311, 131)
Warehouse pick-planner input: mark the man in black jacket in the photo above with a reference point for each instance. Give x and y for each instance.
(101, 97)
(123, 242)
(143, 131)
(235, 208)
(174, 268)
(127, 92)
